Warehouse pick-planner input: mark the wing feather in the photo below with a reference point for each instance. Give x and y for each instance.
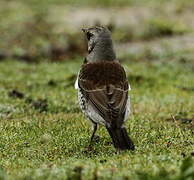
(105, 88)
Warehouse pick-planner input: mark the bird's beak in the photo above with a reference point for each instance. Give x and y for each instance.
(85, 30)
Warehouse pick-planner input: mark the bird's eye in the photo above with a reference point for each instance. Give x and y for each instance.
(89, 35)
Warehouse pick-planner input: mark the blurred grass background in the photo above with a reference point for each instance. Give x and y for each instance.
(50, 30)
(43, 134)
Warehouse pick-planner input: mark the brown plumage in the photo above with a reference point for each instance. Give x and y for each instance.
(103, 89)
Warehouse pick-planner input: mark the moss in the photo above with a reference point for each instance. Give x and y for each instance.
(54, 143)
(158, 27)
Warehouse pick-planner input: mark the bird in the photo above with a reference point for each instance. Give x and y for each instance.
(103, 88)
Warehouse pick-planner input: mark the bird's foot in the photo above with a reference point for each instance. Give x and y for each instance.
(96, 138)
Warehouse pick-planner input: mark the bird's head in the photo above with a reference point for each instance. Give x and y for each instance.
(96, 35)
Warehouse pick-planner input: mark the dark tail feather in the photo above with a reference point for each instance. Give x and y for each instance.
(120, 138)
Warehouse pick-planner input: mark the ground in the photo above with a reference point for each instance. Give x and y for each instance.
(44, 135)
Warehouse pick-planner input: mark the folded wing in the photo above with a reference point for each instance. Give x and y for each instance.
(105, 87)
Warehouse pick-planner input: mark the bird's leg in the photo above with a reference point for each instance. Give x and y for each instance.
(93, 133)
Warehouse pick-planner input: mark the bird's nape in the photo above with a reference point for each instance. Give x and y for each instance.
(100, 46)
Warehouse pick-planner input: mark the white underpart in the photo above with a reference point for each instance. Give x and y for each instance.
(94, 115)
(76, 83)
(129, 87)
(127, 112)
(91, 113)
(88, 110)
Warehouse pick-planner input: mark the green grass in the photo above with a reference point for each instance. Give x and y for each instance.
(53, 143)
(104, 3)
(43, 134)
(33, 30)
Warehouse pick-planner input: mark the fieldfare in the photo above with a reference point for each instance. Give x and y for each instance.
(103, 88)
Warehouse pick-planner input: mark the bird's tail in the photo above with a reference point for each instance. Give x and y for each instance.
(120, 138)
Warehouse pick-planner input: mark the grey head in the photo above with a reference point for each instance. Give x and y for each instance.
(100, 46)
